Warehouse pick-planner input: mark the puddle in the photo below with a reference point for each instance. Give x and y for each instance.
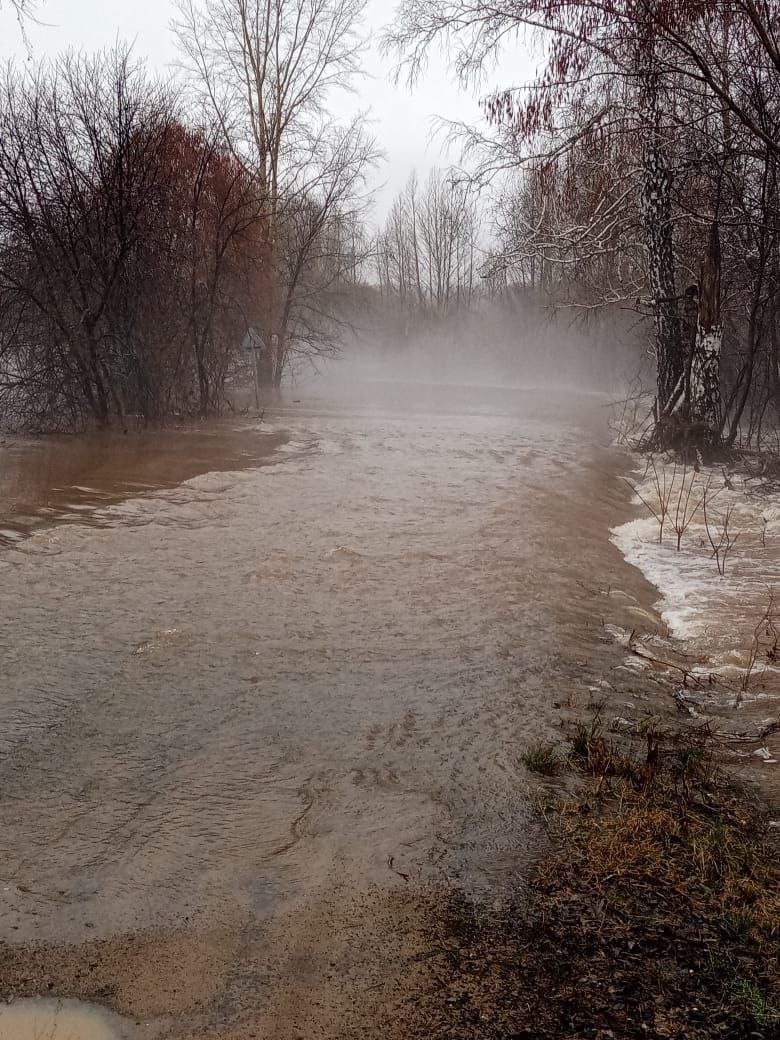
(57, 1020)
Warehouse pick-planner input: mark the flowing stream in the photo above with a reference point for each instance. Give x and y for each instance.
(256, 675)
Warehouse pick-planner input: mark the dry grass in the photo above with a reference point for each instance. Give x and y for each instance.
(657, 913)
(666, 833)
(665, 819)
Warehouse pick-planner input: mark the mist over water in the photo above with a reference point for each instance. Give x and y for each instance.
(514, 341)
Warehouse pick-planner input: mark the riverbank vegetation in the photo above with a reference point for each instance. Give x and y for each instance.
(636, 173)
(655, 913)
(156, 234)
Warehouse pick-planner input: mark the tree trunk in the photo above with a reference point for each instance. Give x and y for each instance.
(705, 398)
(774, 363)
(279, 359)
(269, 307)
(656, 209)
(661, 275)
(203, 384)
(100, 396)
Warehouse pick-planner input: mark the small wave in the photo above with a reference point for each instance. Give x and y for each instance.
(343, 552)
(329, 447)
(160, 641)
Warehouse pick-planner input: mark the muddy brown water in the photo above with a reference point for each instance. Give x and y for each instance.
(259, 679)
(50, 1019)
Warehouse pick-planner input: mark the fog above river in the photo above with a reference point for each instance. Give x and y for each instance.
(516, 344)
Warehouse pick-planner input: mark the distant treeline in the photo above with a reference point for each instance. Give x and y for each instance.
(149, 231)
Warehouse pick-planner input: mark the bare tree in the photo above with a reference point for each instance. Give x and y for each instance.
(126, 248)
(649, 134)
(23, 9)
(266, 68)
(427, 253)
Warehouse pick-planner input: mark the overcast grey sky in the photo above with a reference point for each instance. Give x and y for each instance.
(402, 118)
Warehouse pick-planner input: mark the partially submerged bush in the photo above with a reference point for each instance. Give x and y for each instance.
(541, 758)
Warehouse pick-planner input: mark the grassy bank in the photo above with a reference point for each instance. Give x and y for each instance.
(657, 914)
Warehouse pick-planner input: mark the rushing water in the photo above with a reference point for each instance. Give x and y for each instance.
(247, 663)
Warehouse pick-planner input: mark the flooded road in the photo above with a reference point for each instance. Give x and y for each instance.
(252, 689)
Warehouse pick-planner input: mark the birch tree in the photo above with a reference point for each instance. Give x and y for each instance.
(688, 87)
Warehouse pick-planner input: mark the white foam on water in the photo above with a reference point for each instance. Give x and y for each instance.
(715, 613)
(681, 578)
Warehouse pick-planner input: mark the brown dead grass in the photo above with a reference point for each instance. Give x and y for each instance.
(658, 915)
(667, 820)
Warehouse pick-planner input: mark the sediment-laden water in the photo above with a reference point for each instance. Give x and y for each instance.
(257, 678)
